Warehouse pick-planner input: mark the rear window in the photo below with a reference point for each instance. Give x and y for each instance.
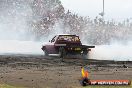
(69, 38)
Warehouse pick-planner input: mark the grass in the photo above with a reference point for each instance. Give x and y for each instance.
(8, 86)
(108, 87)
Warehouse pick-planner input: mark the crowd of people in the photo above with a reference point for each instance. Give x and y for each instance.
(99, 31)
(92, 31)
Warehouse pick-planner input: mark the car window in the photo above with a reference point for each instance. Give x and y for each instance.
(53, 39)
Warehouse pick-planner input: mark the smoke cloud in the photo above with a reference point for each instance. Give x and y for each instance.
(14, 18)
(115, 51)
(20, 47)
(15, 36)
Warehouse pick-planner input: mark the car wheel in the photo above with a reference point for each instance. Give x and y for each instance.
(62, 52)
(46, 52)
(84, 54)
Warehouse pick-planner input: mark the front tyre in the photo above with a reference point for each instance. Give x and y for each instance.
(46, 52)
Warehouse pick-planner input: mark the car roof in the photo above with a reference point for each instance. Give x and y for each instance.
(67, 34)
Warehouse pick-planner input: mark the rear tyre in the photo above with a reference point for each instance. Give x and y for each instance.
(84, 57)
(85, 54)
(62, 52)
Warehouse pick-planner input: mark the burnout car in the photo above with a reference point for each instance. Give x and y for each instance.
(65, 44)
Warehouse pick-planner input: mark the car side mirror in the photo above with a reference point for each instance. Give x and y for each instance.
(49, 40)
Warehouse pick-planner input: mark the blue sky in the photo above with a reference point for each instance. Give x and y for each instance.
(114, 9)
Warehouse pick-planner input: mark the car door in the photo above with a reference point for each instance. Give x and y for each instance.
(51, 46)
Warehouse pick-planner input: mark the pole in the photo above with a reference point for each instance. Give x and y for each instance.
(103, 10)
